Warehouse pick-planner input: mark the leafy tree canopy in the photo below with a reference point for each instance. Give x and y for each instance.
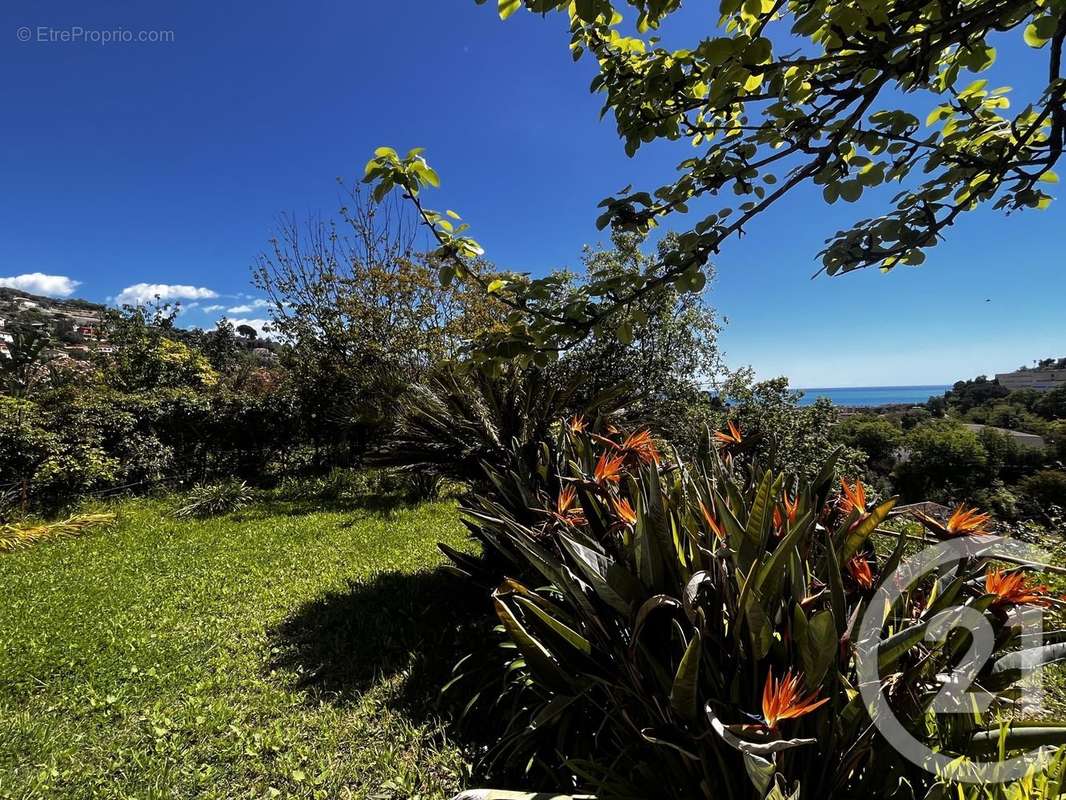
(783, 93)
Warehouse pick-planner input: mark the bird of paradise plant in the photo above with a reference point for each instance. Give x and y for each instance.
(962, 522)
(791, 511)
(624, 511)
(783, 699)
(608, 469)
(567, 509)
(1012, 589)
(639, 448)
(853, 498)
(639, 641)
(731, 437)
(859, 569)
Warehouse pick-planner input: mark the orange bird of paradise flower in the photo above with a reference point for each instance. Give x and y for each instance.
(791, 511)
(641, 447)
(962, 522)
(783, 700)
(567, 510)
(1011, 589)
(854, 497)
(712, 523)
(608, 469)
(624, 511)
(729, 438)
(577, 424)
(859, 569)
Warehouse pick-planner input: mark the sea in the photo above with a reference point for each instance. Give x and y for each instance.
(857, 396)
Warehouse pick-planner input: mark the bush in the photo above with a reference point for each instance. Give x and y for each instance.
(652, 604)
(943, 461)
(461, 421)
(211, 501)
(1047, 487)
(365, 484)
(878, 438)
(797, 438)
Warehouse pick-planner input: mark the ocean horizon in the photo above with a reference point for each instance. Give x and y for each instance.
(866, 396)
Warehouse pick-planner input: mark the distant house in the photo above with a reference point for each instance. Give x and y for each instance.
(83, 320)
(1027, 440)
(1040, 379)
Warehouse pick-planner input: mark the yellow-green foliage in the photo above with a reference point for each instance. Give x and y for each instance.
(15, 536)
(181, 358)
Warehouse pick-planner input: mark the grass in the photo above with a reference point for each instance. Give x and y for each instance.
(278, 652)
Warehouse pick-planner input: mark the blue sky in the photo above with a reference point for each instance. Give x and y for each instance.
(168, 164)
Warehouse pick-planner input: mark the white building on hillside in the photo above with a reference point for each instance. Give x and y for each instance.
(1040, 379)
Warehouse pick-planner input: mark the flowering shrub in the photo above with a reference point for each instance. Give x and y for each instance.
(682, 631)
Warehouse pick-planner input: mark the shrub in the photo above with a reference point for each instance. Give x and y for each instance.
(460, 421)
(944, 461)
(652, 604)
(797, 438)
(210, 501)
(1047, 487)
(878, 438)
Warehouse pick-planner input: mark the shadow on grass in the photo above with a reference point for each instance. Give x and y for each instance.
(340, 645)
(385, 506)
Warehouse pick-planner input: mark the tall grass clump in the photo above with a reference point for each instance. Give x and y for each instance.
(214, 500)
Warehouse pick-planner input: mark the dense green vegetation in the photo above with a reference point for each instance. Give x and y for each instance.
(964, 446)
(289, 650)
(677, 574)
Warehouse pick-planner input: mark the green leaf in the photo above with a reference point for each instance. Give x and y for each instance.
(537, 656)
(824, 644)
(508, 7)
(1019, 737)
(773, 568)
(1040, 31)
(758, 522)
(893, 647)
(717, 51)
(858, 536)
(564, 631)
(761, 771)
(684, 694)
(851, 190)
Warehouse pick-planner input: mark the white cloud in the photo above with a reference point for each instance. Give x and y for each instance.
(249, 307)
(39, 283)
(141, 293)
(260, 326)
(212, 309)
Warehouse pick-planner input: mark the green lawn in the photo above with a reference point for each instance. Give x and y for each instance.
(278, 652)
